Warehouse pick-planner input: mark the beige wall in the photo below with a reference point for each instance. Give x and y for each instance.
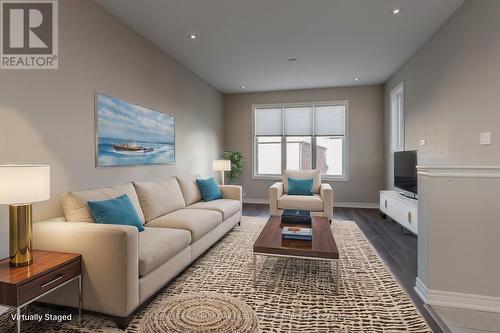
(47, 116)
(366, 162)
(451, 95)
(451, 91)
(458, 236)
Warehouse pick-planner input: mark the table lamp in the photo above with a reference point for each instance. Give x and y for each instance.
(20, 186)
(221, 165)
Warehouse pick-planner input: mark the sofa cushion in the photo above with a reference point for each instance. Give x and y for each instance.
(198, 221)
(159, 197)
(314, 174)
(189, 189)
(313, 203)
(75, 203)
(158, 245)
(228, 207)
(115, 211)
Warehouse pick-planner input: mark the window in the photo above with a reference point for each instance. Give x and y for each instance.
(329, 155)
(398, 118)
(299, 152)
(269, 150)
(301, 137)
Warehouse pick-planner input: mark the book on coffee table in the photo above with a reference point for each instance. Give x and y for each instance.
(296, 216)
(296, 233)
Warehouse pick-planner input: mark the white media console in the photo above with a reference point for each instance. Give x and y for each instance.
(401, 209)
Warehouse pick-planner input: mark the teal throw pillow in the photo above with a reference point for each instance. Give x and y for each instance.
(115, 211)
(300, 186)
(209, 189)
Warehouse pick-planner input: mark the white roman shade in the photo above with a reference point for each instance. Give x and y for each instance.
(329, 120)
(269, 121)
(320, 119)
(299, 121)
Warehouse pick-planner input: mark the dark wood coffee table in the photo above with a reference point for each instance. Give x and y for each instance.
(321, 247)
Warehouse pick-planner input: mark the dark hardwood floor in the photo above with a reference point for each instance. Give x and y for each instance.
(397, 249)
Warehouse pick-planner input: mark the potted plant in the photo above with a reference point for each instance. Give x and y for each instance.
(236, 159)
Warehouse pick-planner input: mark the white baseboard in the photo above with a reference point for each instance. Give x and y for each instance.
(457, 300)
(335, 204)
(356, 204)
(421, 290)
(255, 201)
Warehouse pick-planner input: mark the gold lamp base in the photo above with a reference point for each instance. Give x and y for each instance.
(20, 235)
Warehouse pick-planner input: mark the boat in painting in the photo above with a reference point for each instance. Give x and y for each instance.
(132, 147)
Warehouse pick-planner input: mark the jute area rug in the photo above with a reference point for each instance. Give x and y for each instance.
(292, 295)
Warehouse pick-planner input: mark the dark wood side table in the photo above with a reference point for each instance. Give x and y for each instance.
(19, 286)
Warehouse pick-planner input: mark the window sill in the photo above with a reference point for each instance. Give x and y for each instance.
(323, 178)
(334, 179)
(262, 177)
(396, 150)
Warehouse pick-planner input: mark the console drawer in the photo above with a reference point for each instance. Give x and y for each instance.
(402, 210)
(385, 203)
(48, 281)
(407, 217)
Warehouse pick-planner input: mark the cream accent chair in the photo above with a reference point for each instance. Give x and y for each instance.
(320, 204)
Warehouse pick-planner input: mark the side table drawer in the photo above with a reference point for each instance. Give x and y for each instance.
(49, 281)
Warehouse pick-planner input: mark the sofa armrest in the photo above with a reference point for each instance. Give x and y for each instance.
(326, 193)
(275, 192)
(110, 264)
(234, 192)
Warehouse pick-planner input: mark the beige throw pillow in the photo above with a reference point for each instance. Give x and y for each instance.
(189, 189)
(159, 197)
(75, 203)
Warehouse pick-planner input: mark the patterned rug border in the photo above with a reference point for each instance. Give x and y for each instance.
(351, 222)
(389, 269)
(374, 300)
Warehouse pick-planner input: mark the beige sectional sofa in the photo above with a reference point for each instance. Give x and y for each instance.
(122, 267)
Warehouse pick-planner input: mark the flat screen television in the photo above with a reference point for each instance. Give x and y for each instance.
(405, 171)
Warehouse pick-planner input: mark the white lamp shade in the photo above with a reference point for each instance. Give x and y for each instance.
(22, 184)
(221, 165)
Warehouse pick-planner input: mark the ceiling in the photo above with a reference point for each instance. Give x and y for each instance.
(249, 42)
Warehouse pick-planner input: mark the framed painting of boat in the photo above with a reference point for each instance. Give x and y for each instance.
(128, 134)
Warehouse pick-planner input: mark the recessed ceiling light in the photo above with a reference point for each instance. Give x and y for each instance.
(193, 36)
(396, 11)
(242, 87)
(292, 60)
(356, 79)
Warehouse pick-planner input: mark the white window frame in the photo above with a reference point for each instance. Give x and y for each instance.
(397, 118)
(345, 147)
